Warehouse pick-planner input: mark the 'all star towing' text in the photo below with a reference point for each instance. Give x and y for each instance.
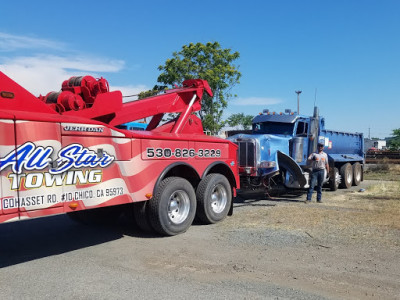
(29, 157)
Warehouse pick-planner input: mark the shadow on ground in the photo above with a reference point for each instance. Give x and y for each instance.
(37, 238)
(259, 198)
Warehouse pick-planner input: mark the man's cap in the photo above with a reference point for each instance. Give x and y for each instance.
(320, 145)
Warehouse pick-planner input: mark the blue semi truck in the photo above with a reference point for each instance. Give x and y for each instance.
(274, 155)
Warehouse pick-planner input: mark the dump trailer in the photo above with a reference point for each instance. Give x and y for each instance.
(274, 156)
(65, 153)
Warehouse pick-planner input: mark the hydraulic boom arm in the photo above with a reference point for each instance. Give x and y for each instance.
(184, 100)
(87, 97)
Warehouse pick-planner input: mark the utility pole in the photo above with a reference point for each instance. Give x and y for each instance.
(298, 101)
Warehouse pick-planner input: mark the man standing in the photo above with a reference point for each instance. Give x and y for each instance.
(319, 163)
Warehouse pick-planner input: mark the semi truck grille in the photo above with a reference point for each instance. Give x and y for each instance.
(247, 153)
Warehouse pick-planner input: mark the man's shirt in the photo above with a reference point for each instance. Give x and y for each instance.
(318, 161)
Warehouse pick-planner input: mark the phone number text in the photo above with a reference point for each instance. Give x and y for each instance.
(181, 152)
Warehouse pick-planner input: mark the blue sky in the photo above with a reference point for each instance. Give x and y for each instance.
(343, 55)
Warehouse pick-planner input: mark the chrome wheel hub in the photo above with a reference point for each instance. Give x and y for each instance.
(178, 207)
(219, 199)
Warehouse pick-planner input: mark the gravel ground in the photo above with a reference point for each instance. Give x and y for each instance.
(276, 248)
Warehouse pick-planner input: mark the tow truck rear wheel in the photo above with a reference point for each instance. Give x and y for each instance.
(173, 207)
(357, 173)
(346, 172)
(214, 197)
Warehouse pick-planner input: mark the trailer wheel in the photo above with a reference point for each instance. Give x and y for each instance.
(140, 214)
(357, 173)
(214, 198)
(346, 173)
(334, 180)
(173, 207)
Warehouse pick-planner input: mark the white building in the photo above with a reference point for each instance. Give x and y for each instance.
(377, 144)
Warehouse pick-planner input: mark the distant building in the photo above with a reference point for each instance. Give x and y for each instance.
(374, 143)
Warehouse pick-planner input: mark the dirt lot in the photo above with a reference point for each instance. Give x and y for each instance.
(347, 247)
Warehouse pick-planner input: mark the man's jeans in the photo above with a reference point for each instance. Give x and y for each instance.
(317, 177)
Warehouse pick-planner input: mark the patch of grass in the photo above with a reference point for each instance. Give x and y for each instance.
(345, 216)
(390, 172)
(388, 190)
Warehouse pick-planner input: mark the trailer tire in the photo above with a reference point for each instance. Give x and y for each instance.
(173, 206)
(334, 181)
(357, 173)
(140, 214)
(346, 174)
(214, 198)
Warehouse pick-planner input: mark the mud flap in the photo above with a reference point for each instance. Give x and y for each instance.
(287, 163)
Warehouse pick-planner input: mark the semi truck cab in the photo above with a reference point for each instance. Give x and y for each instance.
(275, 154)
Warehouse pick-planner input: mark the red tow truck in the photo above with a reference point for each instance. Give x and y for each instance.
(64, 153)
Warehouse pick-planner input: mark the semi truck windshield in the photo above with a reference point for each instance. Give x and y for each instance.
(273, 128)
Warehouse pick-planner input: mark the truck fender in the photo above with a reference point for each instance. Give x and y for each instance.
(292, 167)
(222, 168)
(179, 169)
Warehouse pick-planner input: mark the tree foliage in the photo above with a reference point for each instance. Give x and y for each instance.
(240, 121)
(149, 93)
(394, 142)
(209, 62)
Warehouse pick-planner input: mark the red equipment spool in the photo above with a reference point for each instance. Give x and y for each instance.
(65, 101)
(86, 86)
(77, 93)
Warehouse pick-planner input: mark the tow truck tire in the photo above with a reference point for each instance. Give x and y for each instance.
(141, 217)
(173, 206)
(357, 173)
(214, 198)
(334, 181)
(346, 174)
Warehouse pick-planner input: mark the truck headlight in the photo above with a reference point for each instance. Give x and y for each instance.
(267, 164)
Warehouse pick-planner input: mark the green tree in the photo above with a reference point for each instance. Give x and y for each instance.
(240, 120)
(209, 62)
(394, 142)
(149, 93)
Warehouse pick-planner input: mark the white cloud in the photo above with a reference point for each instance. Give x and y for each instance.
(255, 101)
(79, 63)
(44, 73)
(9, 42)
